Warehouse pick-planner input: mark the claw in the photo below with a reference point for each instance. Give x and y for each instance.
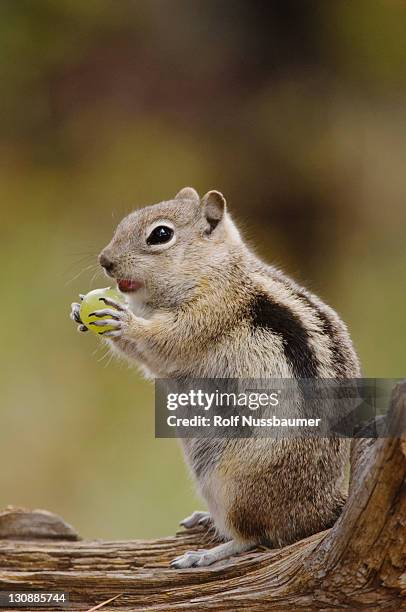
(105, 322)
(192, 558)
(113, 303)
(105, 312)
(74, 315)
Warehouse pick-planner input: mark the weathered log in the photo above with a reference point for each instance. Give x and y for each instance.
(359, 563)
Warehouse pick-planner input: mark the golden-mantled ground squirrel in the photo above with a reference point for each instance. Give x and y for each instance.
(202, 305)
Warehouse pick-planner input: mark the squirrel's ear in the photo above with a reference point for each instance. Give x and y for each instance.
(214, 206)
(187, 193)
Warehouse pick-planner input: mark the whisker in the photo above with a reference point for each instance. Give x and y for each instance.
(103, 357)
(82, 254)
(96, 272)
(80, 273)
(107, 353)
(98, 349)
(108, 362)
(78, 262)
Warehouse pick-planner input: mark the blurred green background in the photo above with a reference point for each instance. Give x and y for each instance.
(294, 110)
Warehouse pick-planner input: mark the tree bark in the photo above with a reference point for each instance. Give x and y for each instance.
(359, 563)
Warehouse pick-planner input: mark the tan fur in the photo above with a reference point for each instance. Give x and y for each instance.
(193, 319)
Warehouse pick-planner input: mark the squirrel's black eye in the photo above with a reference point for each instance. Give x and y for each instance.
(160, 235)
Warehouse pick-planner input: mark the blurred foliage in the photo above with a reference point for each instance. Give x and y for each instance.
(294, 110)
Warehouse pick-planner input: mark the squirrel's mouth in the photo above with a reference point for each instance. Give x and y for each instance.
(128, 286)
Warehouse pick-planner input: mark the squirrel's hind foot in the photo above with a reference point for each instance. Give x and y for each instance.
(202, 558)
(197, 519)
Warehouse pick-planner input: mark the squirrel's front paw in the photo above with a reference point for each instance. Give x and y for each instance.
(75, 315)
(119, 317)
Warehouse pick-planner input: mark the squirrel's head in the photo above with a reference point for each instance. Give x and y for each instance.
(165, 252)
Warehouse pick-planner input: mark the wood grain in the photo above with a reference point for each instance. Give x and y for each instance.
(358, 564)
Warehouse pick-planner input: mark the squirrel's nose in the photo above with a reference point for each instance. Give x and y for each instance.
(106, 262)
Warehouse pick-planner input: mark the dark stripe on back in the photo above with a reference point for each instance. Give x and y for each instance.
(279, 319)
(340, 359)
